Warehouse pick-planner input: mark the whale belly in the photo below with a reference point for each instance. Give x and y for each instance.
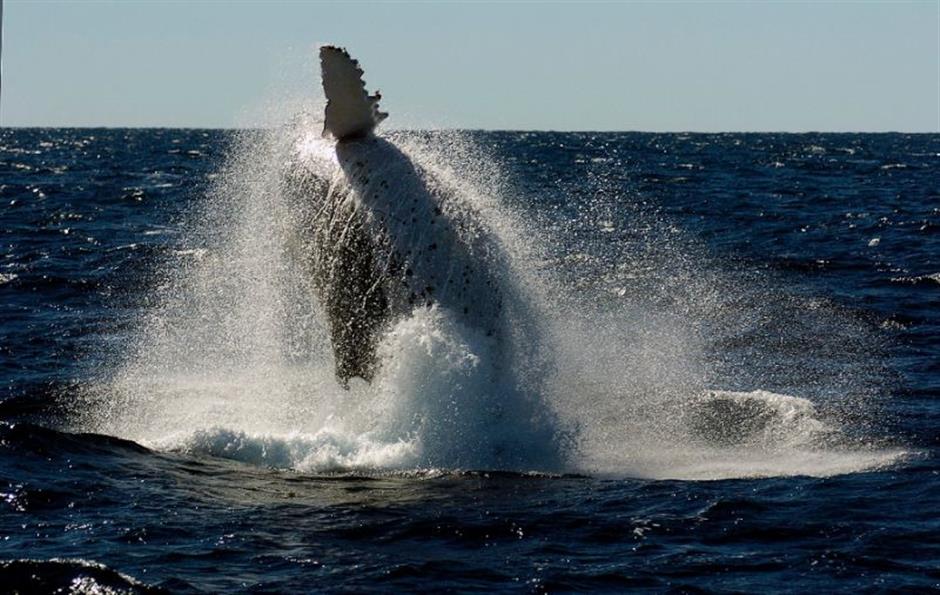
(342, 255)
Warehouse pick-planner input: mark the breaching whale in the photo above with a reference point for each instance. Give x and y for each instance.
(385, 235)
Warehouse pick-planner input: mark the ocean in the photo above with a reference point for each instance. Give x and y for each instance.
(726, 372)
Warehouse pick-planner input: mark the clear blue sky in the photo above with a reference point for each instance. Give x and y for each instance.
(705, 66)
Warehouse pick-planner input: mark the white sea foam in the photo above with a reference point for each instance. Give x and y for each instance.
(441, 401)
(323, 452)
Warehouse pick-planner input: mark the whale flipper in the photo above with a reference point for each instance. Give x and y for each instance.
(350, 111)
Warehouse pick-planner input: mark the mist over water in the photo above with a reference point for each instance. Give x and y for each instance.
(632, 351)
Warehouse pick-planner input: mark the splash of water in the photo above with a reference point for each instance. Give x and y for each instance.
(613, 359)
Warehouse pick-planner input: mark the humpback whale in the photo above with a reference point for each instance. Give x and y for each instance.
(386, 236)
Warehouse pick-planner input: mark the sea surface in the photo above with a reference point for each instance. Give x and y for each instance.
(730, 380)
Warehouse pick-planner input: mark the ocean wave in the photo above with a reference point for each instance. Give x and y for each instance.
(325, 451)
(933, 279)
(757, 418)
(61, 575)
(732, 435)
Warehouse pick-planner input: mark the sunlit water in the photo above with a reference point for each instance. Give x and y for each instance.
(757, 309)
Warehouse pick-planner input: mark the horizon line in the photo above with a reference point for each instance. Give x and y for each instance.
(458, 129)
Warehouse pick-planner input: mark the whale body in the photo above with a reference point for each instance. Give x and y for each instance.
(386, 235)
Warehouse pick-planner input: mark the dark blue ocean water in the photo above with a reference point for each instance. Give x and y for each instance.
(808, 265)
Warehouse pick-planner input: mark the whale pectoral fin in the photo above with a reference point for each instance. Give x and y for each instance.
(350, 111)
